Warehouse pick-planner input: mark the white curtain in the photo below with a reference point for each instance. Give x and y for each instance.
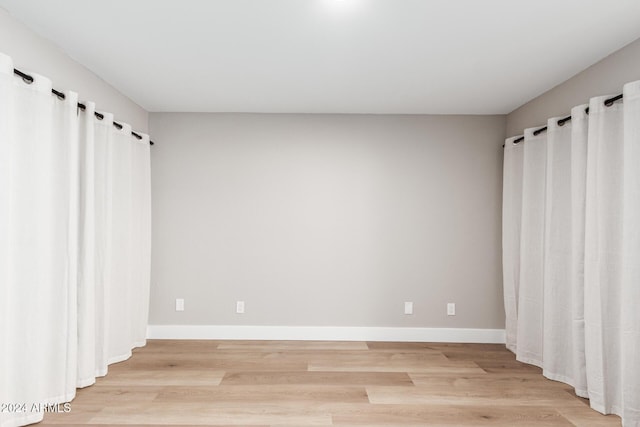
(74, 197)
(578, 225)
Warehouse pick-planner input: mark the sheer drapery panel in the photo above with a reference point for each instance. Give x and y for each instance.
(74, 245)
(572, 309)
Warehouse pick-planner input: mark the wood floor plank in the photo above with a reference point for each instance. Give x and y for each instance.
(398, 346)
(342, 365)
(106, 395)
(581, 418)
(163, 377)
(179, 346)
(476, 355)
(213, 415)
(293, 345)
(296, 394)
(389, 362)
(445, 346)
(511, 381)
(301, 355)
(215, 361)
(450, 415)
(441, 347)
(79, 415)
(507, 366)
(317, 378)
(475, 396)
(420, 356)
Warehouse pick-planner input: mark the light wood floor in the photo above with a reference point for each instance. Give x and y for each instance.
(271, 383)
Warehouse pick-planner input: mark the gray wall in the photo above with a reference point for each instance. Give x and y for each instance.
(31, 52)
(603, 78)
(327, 220)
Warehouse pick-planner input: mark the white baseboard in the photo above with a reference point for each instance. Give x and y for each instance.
(325, 333)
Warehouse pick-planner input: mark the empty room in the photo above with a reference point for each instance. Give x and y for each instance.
(320, 213)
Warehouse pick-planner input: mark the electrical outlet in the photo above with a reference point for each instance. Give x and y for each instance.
(451, 309)
(179, 304)
(408, 307)
(240, 307)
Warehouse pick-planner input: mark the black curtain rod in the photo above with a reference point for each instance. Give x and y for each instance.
(29, 79)
(607, 102)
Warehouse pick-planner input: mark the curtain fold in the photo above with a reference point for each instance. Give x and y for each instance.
(579, 138)
(511, 219)
(531, 292)
(630, 292)
(603, 253)
(141, 225)
(120, 251)
(579, 255)
(557, 355)
(71, 233)
(90, 280)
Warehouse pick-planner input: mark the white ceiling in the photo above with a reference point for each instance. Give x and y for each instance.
(338, 56)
